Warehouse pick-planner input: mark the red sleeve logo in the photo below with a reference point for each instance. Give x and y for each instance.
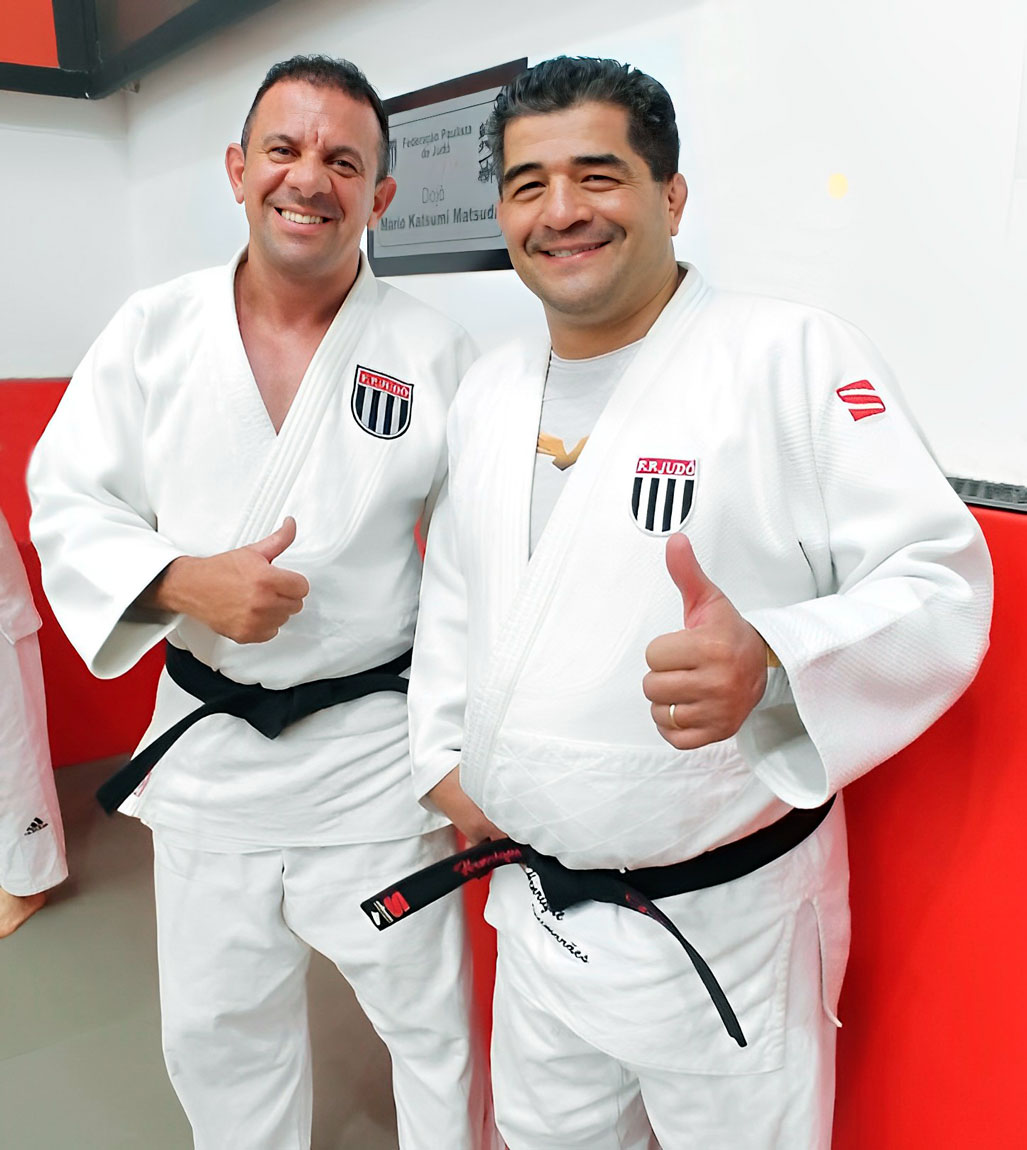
(861, 399)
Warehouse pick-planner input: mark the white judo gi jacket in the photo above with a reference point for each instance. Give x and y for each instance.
(32, 855)
(813, 504)
(162, 447)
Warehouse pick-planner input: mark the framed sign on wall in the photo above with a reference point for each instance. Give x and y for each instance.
(443, 218)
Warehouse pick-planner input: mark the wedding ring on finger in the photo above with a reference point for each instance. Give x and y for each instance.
(673, 720)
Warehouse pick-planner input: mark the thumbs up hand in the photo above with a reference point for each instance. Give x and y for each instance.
(713, 672)
(239, 594)
(271, 546)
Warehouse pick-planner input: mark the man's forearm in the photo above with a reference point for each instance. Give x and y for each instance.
(169, 593)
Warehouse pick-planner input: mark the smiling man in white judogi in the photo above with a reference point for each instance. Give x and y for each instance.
(238, 466)
(835, 596)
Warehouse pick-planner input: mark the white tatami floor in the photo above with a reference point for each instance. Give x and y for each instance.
(80, 1058)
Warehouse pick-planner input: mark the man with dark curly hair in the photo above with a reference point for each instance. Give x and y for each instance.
(671, 948)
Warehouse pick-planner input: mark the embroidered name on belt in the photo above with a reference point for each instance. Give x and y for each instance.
(662, 493)
(381, 404)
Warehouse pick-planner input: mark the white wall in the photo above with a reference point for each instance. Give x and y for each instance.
(917, 104)
(64, 232)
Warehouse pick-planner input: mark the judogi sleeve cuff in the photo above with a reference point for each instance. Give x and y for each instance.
(773, 739)
(778, 691)
(118, 637)
(425, 778)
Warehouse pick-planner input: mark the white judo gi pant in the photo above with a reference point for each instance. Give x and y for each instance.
(234, 934)
(32, 857)
(555, 1091)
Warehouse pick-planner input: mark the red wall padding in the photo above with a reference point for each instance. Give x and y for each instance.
(27, 33)
(933, 1053)
(87, 718)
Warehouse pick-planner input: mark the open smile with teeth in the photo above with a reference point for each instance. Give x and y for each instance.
(565, 253)
(298, 218)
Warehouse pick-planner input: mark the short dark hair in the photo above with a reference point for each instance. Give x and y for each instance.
(565, 81)
(325, 72)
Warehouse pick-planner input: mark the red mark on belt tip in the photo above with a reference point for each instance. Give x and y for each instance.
(396, 904)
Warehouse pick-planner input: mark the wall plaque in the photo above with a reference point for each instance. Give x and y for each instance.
(443, 218)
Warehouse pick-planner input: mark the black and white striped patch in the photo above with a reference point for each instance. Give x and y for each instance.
(381, 404)
(662, 493)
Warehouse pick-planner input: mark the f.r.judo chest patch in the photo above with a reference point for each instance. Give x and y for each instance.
(381, 404)
(662, 493)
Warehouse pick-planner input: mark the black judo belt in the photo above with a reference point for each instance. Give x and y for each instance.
(635, 889)
(266, 709)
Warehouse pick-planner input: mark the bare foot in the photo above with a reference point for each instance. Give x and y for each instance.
(15, 908)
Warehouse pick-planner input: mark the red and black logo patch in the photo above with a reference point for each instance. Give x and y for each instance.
(381, 404)
(662, 493)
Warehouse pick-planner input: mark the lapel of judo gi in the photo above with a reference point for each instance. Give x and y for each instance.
(325, 374)
(527, 588)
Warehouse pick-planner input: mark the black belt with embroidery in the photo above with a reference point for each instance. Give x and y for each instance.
(635, 889)
(268, 710)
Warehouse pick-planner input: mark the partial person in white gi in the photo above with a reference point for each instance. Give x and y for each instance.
(238, 466)
(32, 858)
(835, 596)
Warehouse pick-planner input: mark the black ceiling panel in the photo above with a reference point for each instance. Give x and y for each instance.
(104, 44)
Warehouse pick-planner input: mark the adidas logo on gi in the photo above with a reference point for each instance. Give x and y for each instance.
(37, 824)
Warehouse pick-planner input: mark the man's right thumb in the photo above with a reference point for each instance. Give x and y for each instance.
(697, 590)
(271, 546)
